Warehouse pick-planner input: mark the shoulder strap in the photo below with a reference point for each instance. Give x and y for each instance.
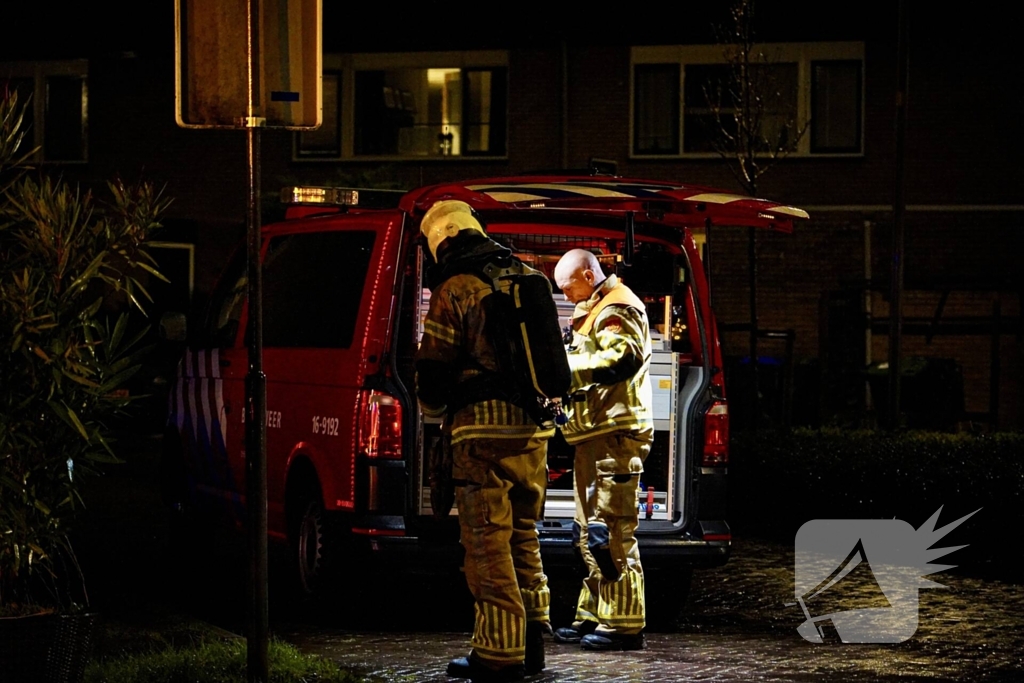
(495, 271)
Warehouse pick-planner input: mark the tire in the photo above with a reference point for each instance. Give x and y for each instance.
(666, 594)
(310, 542)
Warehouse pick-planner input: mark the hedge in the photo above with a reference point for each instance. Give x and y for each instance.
(781, 479)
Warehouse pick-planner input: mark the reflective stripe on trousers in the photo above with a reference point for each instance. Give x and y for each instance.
(607, 475)
(499, 505)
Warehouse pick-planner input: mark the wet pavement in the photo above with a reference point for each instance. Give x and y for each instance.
(740, 624)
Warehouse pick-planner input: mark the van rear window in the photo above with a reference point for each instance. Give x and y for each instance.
(312, 287)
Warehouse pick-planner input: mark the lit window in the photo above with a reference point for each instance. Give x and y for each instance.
(433, 112)
(56, 120)
(808, 86)
(412, 106)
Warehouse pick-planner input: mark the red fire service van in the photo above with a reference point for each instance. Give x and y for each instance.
(343, 304)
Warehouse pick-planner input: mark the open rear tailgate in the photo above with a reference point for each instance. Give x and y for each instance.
(676, 204)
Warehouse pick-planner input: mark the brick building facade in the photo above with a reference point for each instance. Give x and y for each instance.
(571, 97)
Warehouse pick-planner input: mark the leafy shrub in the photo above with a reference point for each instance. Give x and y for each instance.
(68, 277)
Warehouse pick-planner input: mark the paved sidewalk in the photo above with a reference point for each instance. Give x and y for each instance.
(737, 628)
(422, 657)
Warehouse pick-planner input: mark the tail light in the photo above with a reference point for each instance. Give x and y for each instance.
(716, 435)
(380, 425)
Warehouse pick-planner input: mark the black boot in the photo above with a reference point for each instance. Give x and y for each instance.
(606, 642)
(471, 668)
(535, 631)
(572, 635)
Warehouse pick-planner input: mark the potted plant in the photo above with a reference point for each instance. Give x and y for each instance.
(70, 270)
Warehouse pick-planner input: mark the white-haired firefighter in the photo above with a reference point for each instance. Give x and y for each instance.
(611, 427)
(499, 452)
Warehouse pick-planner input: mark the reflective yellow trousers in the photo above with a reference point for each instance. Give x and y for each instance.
(606, 473)
(500, 499)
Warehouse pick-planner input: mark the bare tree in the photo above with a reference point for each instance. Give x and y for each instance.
(753, 123)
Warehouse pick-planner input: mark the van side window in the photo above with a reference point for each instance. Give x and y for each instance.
(312, 287)
(228, 297)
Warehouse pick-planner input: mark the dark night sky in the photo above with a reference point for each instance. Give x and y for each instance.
(56, 29)
(48, 29)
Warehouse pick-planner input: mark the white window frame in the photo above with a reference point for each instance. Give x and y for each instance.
(40, 71)
(802, 54)
(348, 64)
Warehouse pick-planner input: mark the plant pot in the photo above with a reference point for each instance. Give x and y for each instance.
(46, 647)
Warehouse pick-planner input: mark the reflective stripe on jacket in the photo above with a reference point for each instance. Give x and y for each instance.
(610, 360)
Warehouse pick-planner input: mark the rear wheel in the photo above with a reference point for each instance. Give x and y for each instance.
(310, 540)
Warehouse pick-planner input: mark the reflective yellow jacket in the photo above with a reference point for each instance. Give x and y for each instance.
(610, 356)
(454, 349)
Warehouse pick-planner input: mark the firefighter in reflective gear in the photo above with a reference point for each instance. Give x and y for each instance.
(499, 456)
(610, 423)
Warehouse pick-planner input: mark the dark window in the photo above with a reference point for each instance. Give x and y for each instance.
(227, 300)
(55, 100)
(325, 141)
(836, 106)
(802, 98)
(65, 125)
(656, 98)
(312, 288)
(710, 87)
(706, 86)
(484, 112)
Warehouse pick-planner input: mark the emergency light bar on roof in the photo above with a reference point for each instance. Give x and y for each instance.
(347, 197)
(331, 196)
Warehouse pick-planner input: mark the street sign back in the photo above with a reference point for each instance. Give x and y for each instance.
(212, 64)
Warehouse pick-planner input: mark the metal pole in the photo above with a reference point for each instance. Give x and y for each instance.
(256, 438)
(868, 407)
(995, 368)
(752, 258)
(257, 663)
(896, 267)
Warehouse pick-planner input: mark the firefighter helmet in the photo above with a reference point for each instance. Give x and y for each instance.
(446, 219)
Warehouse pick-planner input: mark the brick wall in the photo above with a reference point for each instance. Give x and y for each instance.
(795, 271)
(956, 151)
